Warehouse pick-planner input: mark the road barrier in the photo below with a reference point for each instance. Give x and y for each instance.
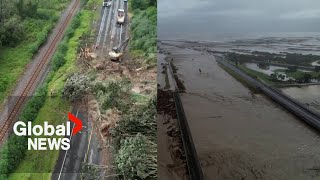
(193, 163)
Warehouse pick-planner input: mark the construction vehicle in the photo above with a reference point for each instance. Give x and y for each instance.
(106, 3)
(115, 54)
(120, 16)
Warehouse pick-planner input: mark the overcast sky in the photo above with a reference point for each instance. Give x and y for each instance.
(182, 17)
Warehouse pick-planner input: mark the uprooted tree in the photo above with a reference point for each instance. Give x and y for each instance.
(75, 87)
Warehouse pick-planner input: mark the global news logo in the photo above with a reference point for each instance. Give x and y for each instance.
(46, 136)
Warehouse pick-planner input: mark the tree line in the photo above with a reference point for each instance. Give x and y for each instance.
(288, 58)
(144, 29)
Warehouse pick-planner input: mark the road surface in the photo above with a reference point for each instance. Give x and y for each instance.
(110, 34)
(69, 162)
(85, 146)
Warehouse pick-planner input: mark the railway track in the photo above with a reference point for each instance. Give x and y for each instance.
(31, 82)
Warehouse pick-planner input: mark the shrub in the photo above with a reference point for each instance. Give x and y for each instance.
(58, 60)
(12, 31)
(134, 140)
(75, 87)
(115, 94)
(74, 24)
(133, 160)
(3, 83)
(144, 36)
(138, 119)
(14, 149)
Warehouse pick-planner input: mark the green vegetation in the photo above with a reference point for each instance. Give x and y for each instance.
(288, 58)
(300, 76)
(134, 140)
(24, 27)
(255, 74)
(239, 78)
(134, 136)
(143, 41)
(114, 94)
(32, 165)
(75, 87)
(275, 78)
(133, 159)
(14, 149)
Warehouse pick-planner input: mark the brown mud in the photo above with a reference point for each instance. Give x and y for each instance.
(239, 135)
(171, 159)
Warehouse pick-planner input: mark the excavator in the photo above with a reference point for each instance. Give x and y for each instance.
(115, 54)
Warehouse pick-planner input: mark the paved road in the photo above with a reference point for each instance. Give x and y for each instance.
(297, 108)
(84, 147)
(69, 163)
(110, 34)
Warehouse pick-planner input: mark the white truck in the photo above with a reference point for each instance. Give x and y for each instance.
(120, 16)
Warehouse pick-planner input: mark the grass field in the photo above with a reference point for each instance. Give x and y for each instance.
(14, 59)
(54, 107)
(39, 164)
(299, 74)
(259, 75)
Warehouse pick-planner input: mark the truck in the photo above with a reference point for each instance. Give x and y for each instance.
(115, 54)
(120, 16)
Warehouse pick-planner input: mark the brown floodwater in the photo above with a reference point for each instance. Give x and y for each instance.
(238, 134)
(309, 95)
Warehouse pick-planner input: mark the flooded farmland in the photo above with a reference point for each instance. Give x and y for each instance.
(238, 134)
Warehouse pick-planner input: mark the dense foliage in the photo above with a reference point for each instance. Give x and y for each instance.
(16, 16)
(263, 59)
(114, 94)
(134, 140)
(133, 159)
(142, 4)
(144, 29)
(24, 27)
(13, 151)
(58, 59)
(288, 58)
(75, 87)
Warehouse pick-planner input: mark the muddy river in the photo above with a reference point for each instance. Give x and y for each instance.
(240, 135)
(309, 95)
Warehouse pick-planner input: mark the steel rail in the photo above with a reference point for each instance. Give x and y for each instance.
(44, 60)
